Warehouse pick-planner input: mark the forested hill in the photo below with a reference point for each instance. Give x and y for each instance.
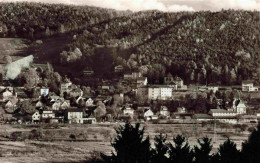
(201, 47)
(39, 20)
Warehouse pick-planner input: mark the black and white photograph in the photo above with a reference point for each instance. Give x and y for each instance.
(129, 81)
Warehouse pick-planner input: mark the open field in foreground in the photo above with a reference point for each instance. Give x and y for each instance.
(56, 145)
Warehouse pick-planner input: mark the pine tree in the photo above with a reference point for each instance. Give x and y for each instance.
(180, 152)
(130, 146)
(228, 153)
(161, 149)
(251, 148)
(202, 153)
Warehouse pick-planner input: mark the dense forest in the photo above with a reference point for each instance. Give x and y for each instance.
(38, 19)
(200, 47)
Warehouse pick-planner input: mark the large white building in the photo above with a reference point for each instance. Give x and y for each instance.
(159, 92)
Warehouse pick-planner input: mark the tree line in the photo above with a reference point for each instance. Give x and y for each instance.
(131, 145)
(30, 20)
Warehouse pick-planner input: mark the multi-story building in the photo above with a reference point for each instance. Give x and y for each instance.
(160, 92)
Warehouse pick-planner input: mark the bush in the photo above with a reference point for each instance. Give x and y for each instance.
(36, 134)
(16, 136)
(72, 136)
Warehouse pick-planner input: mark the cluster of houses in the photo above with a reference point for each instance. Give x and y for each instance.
(236, 114)
(52, 108)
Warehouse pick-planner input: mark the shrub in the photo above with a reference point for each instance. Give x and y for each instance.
(72, 136)
(16, 136)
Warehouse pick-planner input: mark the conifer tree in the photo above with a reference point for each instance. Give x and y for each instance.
(161, 149)
(227, 153)
(130, 146)
(202, 153)
(180, 152)
(251, 148)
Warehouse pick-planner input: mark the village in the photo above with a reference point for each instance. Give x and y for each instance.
(104, 105)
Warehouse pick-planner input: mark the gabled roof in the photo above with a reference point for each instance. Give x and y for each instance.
(178, 79)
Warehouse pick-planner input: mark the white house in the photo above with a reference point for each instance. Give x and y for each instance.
(39, 104)
(48, 114)
(148, 114)
(181, 109)
(65, 104)
(10, 106)
(248, 86)
(239, 106)
(128, 111)
(7, 94)
(75, 115)
(89, 102)
(56, 105)
(164, 111)
(36, 117)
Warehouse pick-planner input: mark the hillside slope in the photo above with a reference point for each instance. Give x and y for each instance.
(201, 47)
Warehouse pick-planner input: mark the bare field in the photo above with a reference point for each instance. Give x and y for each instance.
(92, 139)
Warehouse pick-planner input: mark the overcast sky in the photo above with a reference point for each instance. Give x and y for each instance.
(163, 5)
